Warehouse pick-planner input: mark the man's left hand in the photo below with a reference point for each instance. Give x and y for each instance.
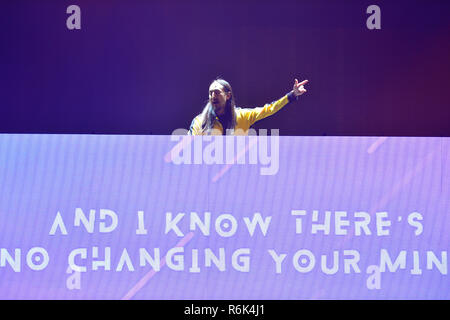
(299, 88)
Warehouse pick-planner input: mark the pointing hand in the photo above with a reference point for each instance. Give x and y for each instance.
(299, 88)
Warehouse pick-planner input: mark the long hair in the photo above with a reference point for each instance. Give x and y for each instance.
(229, 118)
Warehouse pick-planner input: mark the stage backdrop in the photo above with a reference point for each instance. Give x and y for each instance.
(144, 66)
(176, 217)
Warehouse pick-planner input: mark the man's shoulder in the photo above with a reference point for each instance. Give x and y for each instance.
(241, 111)
(244, 112)
(197, 121)
(195, 124)
(197, 118)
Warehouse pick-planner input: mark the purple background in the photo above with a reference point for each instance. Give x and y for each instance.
(43, 174)
(143, 67)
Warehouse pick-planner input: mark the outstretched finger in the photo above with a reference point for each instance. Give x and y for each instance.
(303, 82)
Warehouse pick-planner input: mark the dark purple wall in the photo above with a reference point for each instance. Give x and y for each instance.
(143, 67)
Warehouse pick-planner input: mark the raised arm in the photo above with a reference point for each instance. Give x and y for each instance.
(269, 109)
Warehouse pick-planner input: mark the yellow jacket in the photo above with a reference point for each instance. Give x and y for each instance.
(245, 117)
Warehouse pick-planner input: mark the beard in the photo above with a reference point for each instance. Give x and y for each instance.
(218, 109)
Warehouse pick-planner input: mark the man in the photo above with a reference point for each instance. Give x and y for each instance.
(221, 116)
